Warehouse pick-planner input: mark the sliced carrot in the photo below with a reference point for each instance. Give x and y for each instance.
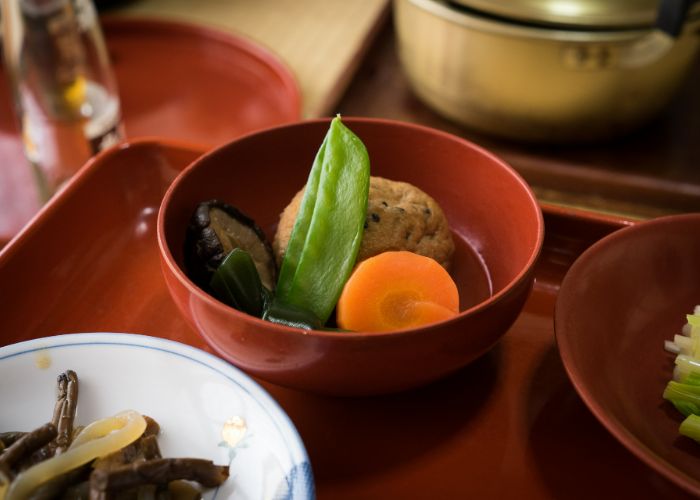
(395, 290)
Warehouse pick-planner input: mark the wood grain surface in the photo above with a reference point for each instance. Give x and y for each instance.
(321, 41)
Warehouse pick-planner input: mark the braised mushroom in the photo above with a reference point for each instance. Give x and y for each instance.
(215, 229)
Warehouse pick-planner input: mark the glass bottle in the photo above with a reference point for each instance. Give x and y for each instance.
(64, 90)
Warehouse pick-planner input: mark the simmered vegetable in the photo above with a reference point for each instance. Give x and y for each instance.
(99, 438)
(115, 457)
(26, 444)
(159, 471)
(395, 290)
(237, 283)
(290, 315)
(64, 410)
(215, 229)
(328, 229)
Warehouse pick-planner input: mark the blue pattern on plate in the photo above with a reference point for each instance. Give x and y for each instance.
(298, 483)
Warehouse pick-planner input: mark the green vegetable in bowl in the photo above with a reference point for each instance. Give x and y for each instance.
(227, 252)
(684, 391)
(685, 397)
(690, 427)
(237, 283)
(328, 229)
(290, 315)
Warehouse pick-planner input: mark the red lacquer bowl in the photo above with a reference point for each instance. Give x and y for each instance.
(496, 222)
(617, 304)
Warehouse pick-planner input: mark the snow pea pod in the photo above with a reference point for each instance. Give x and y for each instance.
(328, 230)
(289, 315)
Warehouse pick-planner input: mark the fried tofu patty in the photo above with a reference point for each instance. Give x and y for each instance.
(399, 217)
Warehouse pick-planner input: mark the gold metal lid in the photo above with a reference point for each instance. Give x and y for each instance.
(574, 13)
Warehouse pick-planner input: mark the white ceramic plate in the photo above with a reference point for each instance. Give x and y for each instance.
(188, 391)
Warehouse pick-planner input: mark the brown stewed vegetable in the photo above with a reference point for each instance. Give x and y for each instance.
(116, 457)
(215, 229)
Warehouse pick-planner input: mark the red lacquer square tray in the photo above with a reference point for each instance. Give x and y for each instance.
(510, 425)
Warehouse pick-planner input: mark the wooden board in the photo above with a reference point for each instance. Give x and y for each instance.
(322, 41)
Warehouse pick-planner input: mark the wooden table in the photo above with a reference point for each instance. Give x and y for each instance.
(654, 172)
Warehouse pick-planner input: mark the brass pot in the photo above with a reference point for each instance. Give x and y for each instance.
(552, 78)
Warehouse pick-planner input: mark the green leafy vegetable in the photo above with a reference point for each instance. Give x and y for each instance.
(237, 283)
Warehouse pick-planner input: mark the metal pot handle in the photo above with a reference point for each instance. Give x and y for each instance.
(650, 48)
(671, 16)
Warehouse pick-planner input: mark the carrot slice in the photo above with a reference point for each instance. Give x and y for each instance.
(395, 290)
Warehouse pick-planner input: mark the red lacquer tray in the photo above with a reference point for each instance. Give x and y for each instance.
(508, 426)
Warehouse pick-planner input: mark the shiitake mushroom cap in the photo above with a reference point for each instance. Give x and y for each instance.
(214, 230)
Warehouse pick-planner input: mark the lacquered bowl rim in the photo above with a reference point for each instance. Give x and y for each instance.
(523, 274)
(568, 357)
(235, 41)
